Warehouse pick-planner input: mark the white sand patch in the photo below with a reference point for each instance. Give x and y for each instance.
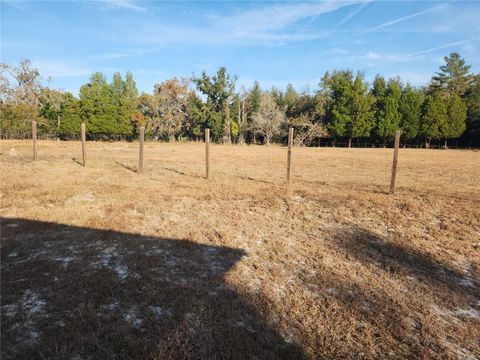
(216, 267)
(465, 354)
(298, 199)
(87, 196)
(332, 291)
(33, 306)
(157, 252)
(453, 316)
(471, 313)
(113, 306)
(132, 317)
(110, 258)
(134, 213)
(366, 306)
(467, 281)
(32, 303)
(122, 271)
(255, 285)
(175, 218)
(66, 260)
(105, 257)
(158, 311)
(10, 310)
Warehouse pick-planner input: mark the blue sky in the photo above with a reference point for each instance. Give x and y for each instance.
(275, 43)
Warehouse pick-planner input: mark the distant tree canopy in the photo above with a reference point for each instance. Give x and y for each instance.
(345, 108)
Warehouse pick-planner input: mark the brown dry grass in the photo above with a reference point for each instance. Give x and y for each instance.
(102, 262)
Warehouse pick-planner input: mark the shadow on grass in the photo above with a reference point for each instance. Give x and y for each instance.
(72, 292)
(403, 259)
(256, 180)
(182, 173)
(75, 160)
(126, 166)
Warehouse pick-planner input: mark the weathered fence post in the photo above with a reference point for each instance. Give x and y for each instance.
(395, 160)
(289, 154)
(140, 157)
(207, 153)
(84, 155)
(34, 138)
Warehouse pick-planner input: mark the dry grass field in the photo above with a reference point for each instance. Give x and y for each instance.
(104, 263)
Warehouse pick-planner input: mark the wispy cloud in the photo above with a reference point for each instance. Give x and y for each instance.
(125, 4)
(275, 17)
(392, 22)
(119, 55)
(376, 56)
(269, 25)
(444, 46)
(354, 13)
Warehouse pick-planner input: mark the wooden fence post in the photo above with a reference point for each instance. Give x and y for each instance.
(207, 153)
(84, 155)
(34, 138)
(395, 161)
(140, 157)
(289, 154)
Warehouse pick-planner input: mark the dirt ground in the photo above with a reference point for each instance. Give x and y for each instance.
(105, 263)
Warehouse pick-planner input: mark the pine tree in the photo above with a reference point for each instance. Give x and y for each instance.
(454, 126)
(97, 109)
(434, 116)
(129, 103)
(219, 90)
(453, 77)
(70, 116)
(411, 111)
(252, 107)
(362, 114)
(339, 89)
(472, 98)
(388, 113)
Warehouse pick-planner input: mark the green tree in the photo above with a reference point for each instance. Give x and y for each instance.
(388, 110)
(379, 87)
(454, 126)
(362, 115)
(219, 90)
(198, 114)
(107, 109)
(472, 98)
(129, 103)
(70, 116)
(252, 106)
(338, 87)
(434, 116)
(97, 110)
(454, 77)
(411, 112)
(350, 113)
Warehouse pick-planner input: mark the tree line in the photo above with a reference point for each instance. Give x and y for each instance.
(345, 108)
